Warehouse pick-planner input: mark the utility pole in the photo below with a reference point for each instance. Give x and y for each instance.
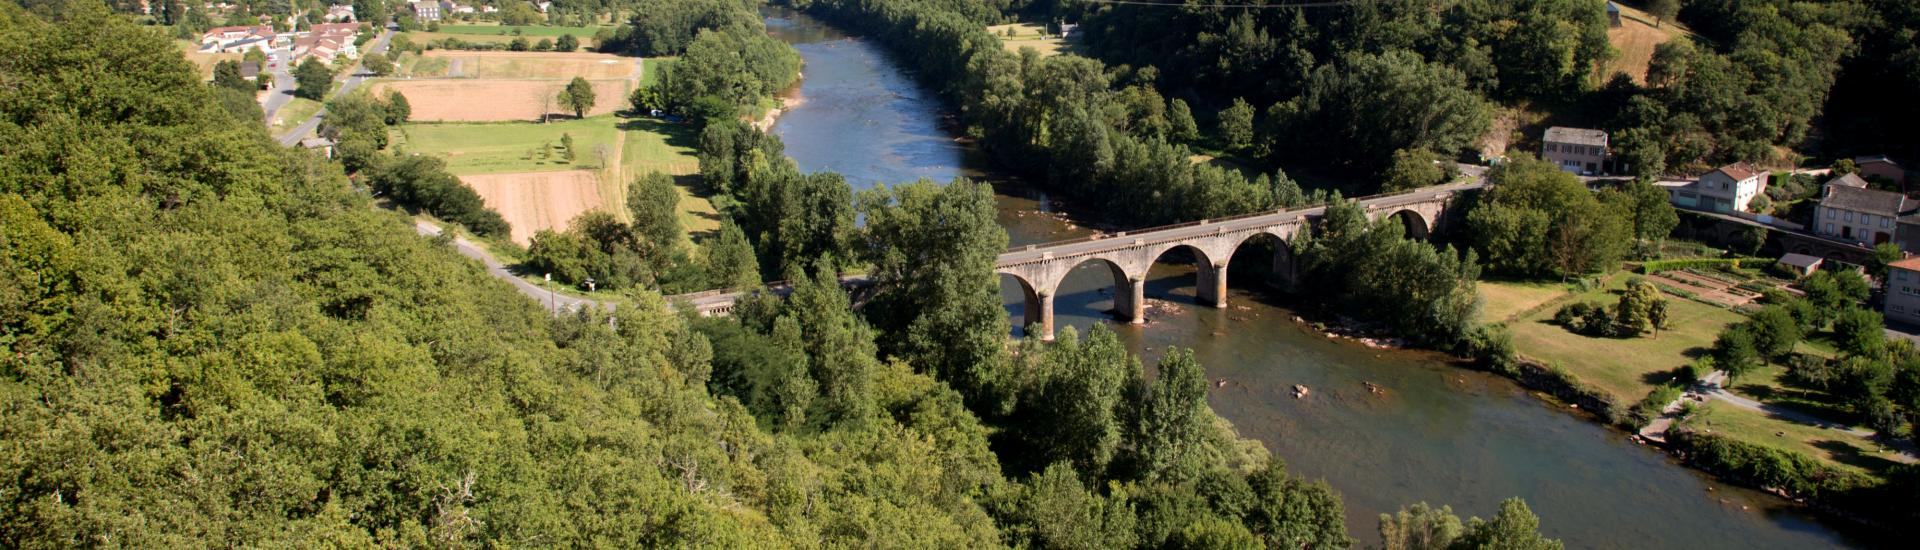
(552, 299)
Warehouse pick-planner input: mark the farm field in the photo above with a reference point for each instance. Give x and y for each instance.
(494, 148)
(531, 202)
(462, 100)
(1635, 39)
(535, 65)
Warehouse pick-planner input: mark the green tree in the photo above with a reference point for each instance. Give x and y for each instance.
(1734, 352)
(1775, 332)
(312, 79)
(578, 97)
(1514, 528)
(1658, 315)
(1173, 420)
(1358, 110)
(1860, 332)
(1883, 254)
(933, 248)
(730, 261)
(654, 202)
(519, 44)
(226, 74)
(398, 108)
(1236, 125)
(1538, 220)
(545, 44)
(1420, 528)
(1662, 10)
(1055, 510)
(378, 64)
(566, 43)
(1180, 119)
(1635, 310)
(1412, 169)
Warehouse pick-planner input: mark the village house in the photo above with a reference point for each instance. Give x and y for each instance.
(1881, 166)
(328, 41)
(1903, 291)
(425, 11)
(1850, 211)
(1730, 188)
(1577, 150)
(237, 38)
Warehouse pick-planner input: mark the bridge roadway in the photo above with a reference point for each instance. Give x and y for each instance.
(1128, 254)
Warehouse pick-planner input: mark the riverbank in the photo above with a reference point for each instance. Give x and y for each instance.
(788, 101)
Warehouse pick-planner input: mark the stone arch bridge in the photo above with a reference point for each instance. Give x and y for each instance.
(1128, 255)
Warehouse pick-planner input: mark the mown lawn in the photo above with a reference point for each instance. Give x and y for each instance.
(1635, 40)
(1831, 446)
(1501, 301)
(1626, 368)
(1028, 35)
(650, 69)
(203, 61)
(296, 111)
(506, 147)
(655, 146)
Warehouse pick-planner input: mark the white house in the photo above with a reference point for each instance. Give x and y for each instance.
(1730, 188)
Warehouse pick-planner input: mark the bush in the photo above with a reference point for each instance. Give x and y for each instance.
(1795, 473)
(1649, 407)
(1491, 347)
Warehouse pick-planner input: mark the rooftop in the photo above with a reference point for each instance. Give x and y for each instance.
(1909, 264)
(1849, 180)
(1577, 136)
(1872, 201)
(1739, 171)
(1800, 260)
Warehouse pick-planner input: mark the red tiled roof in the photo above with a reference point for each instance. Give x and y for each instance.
(1910, 264)
(1738, 171)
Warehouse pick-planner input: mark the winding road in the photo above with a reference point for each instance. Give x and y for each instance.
(377, 45)
(553, 301)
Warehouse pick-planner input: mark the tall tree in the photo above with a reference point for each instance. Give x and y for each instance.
(1183, 129)
(398, 108)
(226, 74)
(566, 43)
(933, 248)
(1538, 220)
(1514, 528)
(730, 261)
(1236, 125)
(1662, 10)
(312, 79)
(1172, 420)
(654, 202)
(577, 97)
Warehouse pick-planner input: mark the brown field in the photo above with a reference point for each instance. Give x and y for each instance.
(460, 100)
(537, 65)
(1635, 39)
(540, 200)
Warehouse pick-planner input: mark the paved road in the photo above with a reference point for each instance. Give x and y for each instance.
(548, 299)
(377, 45)
(282, 91)
(1714, 387)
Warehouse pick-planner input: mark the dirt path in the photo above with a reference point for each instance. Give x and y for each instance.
(614, 178)
(553, 301)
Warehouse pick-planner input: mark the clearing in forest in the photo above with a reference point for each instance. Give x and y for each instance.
(1635, 39)
(1028, 35)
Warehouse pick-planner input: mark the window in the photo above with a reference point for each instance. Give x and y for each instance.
(1552, 148)
(1897, 309)
(1848, 217)
(1886, 222)
(1829, 227)
(1829, 212)
(1899, 275)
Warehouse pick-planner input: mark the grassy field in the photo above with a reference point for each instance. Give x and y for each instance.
(654, 146)
(1826, 445)
(1028, 35)
(1626, 368)
(1635, 39)
(420, 66)
(204, 61)
(296, 111)
(503, 147)
(1501, 301)
(650, 69)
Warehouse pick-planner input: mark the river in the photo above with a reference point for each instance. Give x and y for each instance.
(1438, 433)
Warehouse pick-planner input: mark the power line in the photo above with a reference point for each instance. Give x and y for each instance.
(1318, 4)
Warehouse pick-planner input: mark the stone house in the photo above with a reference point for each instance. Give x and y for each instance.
(1903, 291)
(1730, 188)
(1884, 167)
(425, 11)
(1850, 211)
(1577, 150)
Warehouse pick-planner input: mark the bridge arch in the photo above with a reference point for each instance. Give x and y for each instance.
(1030, 307)
(1282, 266)
(1417, 226)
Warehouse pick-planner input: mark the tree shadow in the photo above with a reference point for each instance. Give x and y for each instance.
(1851, 455)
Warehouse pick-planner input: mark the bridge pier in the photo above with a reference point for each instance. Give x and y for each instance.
(1211, 288)
(1039, 315)
(1130, 304)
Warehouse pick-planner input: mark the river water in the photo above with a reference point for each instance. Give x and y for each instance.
(1437, 433)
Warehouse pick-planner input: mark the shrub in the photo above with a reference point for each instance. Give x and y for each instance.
(1649, 407)
(1668, 265)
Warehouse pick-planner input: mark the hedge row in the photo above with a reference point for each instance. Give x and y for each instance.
(1796, 474)
(1657, 266)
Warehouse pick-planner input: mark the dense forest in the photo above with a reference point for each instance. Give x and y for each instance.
(208, 339)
